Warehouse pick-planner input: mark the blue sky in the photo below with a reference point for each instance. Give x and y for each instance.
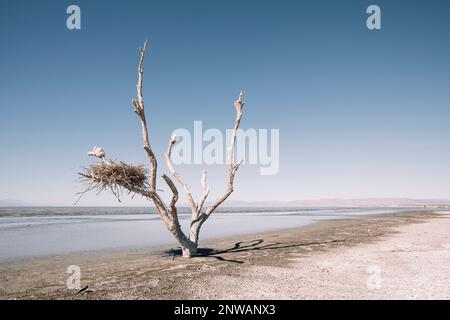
(361, 113)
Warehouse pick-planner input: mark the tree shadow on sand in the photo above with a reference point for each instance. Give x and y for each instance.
(245, 246)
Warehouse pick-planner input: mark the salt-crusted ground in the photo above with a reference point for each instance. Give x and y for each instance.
(401, 256)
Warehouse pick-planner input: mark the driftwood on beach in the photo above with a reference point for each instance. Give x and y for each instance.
(136, 180)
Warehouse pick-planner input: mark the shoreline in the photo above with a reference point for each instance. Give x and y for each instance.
(170, 245)
(39, 237)
(153, 273)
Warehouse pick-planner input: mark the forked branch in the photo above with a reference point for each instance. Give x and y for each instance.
(232, 168)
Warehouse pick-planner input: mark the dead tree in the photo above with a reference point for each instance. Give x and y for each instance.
(114, 176)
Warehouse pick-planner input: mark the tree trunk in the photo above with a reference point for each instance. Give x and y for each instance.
(189, 251)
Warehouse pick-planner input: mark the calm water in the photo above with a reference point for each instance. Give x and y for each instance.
(38, 231)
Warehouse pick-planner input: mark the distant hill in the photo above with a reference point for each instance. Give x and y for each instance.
(13, 203)
(365, 202)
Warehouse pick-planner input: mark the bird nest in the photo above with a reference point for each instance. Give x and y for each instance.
(115, 176)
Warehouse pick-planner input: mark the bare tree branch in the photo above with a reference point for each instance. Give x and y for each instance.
(180, 180)
(172, 206)
(197, 223)
(239, 105)
(140, 111)
(204, 194)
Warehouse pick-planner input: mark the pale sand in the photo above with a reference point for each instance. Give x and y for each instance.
(412, 264)
(328, 260)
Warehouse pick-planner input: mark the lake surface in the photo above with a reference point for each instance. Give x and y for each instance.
(43, 231)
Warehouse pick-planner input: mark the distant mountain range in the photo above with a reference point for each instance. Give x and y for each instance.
(364, 202)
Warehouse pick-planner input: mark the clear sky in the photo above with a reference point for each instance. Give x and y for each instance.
(361, 113)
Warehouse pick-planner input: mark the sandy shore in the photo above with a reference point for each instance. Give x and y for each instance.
(404, 256)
